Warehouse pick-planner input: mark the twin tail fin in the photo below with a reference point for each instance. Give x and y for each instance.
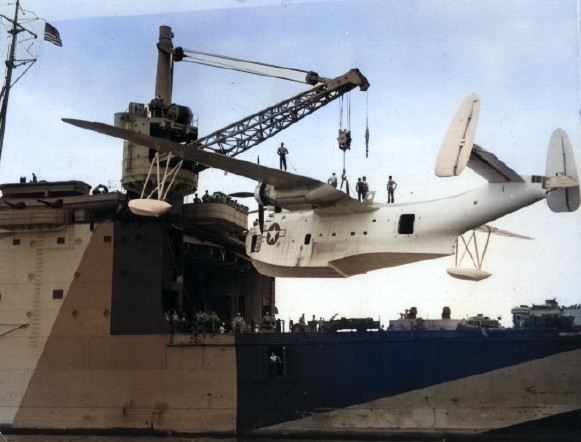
(458, 151)
(561, 178)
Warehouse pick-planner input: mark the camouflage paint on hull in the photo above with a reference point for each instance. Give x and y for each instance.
(414, 382)
(32, 266)
(503, 398)
(73, 374)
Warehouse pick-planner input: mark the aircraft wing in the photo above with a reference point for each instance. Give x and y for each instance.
(488, 166)
(246, 169)
(317, 194)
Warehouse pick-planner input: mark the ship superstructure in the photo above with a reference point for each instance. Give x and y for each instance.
(548, 314)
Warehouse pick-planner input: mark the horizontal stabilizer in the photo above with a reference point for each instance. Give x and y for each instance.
(457, 144)
(561, 174)
(489, 167)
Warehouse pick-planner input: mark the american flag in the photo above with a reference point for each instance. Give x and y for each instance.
(52, 35)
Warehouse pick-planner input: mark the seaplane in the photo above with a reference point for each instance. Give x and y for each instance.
(317, 230)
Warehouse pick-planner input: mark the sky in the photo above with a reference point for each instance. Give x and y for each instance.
(421, 57)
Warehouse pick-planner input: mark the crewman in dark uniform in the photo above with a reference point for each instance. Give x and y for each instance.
(391, 186)
(282, 152)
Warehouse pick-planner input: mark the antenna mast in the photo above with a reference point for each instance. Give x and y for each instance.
(11, 63)
(8, 80)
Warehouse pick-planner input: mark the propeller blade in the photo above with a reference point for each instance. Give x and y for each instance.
(261, 217)
(241, 194)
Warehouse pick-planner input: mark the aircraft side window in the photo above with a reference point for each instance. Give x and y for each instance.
(307, 239)
(406, 224)
(256, 240)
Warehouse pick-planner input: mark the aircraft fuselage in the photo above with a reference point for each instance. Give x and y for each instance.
(315, 244)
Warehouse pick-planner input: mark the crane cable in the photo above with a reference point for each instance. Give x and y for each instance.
(238, 64)
(367, 126)
(345, 140)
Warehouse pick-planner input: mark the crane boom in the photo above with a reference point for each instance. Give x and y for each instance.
(254, 129)
(162, 119)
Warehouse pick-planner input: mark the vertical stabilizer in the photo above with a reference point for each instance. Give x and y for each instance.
(561, 173)
(459, 139)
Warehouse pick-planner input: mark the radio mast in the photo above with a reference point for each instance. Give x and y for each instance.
(11, 63)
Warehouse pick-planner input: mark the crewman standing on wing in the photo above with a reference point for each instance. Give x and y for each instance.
(282, 152)
(391, 186)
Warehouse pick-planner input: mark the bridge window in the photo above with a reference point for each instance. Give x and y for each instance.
(406, 224)
(307, 239)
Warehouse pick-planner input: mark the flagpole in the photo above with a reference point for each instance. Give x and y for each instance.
(8, 80)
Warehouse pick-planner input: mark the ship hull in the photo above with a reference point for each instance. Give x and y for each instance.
(360, 385)
(368, 384)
